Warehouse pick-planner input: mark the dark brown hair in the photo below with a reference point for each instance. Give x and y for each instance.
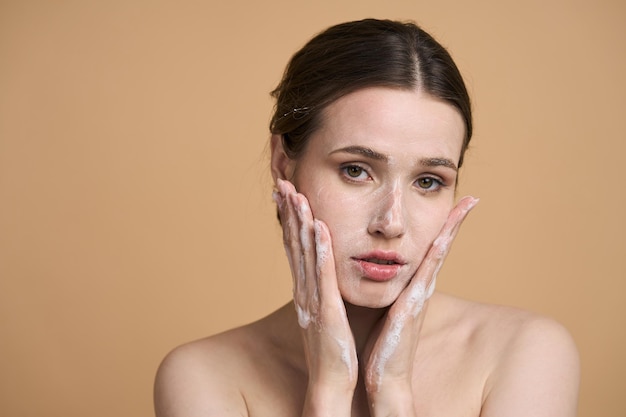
(359, 54)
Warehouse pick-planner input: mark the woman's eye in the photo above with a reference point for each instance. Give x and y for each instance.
(429, 183)
(355, 172)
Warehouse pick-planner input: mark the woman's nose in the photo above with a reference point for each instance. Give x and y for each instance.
(388, 218)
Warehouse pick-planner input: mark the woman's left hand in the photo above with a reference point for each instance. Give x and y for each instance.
(388, 367)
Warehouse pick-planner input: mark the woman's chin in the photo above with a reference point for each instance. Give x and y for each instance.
(374, 301)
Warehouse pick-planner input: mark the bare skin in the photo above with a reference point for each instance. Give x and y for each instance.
(386, 356)
(368, 218)
(472, 360)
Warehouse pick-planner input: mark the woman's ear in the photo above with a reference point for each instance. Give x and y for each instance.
(282, 166)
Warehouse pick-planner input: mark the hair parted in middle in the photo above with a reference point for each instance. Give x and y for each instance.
(354, 55)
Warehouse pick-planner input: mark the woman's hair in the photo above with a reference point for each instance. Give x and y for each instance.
(354, 55)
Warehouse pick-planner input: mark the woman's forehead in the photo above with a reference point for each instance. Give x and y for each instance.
(391, 121)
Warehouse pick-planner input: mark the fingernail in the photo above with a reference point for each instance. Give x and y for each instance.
(280, 186)
(472, 203)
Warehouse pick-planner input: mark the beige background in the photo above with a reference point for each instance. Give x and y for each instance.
(135, 209)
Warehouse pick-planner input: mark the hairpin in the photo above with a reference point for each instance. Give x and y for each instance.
(298, 112)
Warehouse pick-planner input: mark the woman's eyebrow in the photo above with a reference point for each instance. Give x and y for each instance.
(437, 162)
(363, 151)
(372, 154)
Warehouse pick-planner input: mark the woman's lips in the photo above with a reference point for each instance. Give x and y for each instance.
(379, 266)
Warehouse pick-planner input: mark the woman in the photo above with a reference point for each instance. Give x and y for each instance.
(370, 127)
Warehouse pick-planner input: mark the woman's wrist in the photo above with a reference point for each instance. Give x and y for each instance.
(392, 402)
(327, 401)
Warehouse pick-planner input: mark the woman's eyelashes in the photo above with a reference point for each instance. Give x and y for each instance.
(429, 184)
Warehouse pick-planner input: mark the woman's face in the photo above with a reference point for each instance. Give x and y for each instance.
(381, 173)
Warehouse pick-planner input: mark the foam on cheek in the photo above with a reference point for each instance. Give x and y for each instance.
(343, 231)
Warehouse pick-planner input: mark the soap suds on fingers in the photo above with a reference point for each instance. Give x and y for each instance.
(322, 248)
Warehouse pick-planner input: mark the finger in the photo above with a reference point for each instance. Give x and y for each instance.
(330, 297)
(278, 196)
(403, 318)
(331, 304)
(291, 239)
(307, 246)
(299, 236)
(453, 224)
(422, 285)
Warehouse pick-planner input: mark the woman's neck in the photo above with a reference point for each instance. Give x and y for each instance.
(363, 321)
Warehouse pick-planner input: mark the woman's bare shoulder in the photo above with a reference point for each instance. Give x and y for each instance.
(503, 327)
(200, 377)
(217, 375)
(524, 355)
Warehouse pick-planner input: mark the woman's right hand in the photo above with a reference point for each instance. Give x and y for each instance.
(328, 342)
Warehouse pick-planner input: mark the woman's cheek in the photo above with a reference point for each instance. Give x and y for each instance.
(335, 209)
(438, 216)
(345, 217)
